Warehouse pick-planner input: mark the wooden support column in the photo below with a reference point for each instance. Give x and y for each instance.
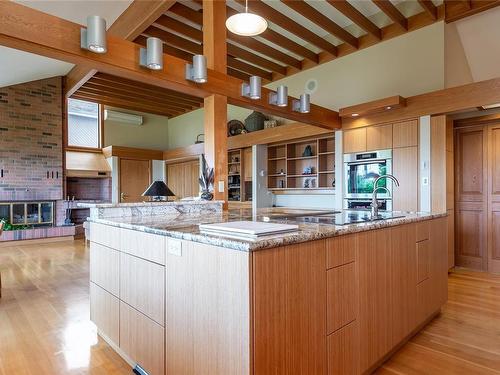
(215, 106)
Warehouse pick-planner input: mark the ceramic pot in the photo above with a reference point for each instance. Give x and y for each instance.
(207, 195)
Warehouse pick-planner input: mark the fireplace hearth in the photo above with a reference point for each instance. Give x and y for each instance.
(29, 213)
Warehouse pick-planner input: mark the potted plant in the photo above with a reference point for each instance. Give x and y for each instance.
(206, 180)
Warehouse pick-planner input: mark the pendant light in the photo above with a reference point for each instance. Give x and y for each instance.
(151, 57)
(93, 38)
(246, 24)
(253, 88)
(280, 97)
(303, 105)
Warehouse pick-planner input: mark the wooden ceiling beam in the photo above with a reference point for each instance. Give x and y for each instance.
(137, 17)
(137, 96)
(288, 24)
(144, 87)
(246, 55)
(113, 102)
(187, 13)
(429, 7)
(392, 12)
(30, 30)
(356, 16)
(322, 21)
(250, 69)
(456, 10)
(174, 40)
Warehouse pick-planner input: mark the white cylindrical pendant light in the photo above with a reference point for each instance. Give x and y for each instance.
(197, 71)
(93, 38)
(252, 89)
(152, 56)
(280, 97)
(303, 105)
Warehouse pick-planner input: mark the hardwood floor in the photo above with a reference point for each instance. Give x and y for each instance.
(45, 327)
(44, 314)
(464, 339)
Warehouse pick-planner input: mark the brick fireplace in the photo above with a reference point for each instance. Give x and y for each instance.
(31, 158)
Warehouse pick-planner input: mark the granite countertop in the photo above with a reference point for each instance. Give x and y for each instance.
(144, 204)
(185, 227)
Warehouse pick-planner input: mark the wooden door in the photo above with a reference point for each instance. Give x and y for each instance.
(175, 179)
(471, 198)
(182, 178)
(134, 180)
(493, 228)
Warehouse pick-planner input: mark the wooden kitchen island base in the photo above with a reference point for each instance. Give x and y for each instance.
(338, 305)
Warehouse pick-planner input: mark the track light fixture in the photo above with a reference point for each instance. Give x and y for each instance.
(252, 89)
(197, 71)
(93, 38)
(303, 105)
(151, 57)
(280, 97)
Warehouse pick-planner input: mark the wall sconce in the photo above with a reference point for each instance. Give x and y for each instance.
(197, 71)
(151, 57)
(93, 38)
(303, 105)
(280, 97)
(252, 89)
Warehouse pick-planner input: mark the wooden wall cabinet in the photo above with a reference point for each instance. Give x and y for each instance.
(405, 134)
(182, 178)
(354, 140)
(405, 168)
(379, 137)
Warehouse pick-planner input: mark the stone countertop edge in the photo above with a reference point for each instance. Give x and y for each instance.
(145, 204)
(307, 232)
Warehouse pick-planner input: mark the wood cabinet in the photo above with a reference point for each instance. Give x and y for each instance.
(405, 134)
(105, 312)
(379, 137)
(354, 140)
(127, 292)
(142, 339)
(142, 286)
(135, 177)
(405, 168)
(343, 350)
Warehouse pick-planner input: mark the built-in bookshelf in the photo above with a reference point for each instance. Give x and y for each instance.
(234, 175)
(302, 165)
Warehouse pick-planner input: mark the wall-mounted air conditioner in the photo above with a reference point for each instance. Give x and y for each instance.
(124, 118)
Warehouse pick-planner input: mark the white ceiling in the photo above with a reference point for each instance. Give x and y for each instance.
(18, 66)
(479, 36)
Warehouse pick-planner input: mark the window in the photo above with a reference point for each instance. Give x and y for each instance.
(84, 128)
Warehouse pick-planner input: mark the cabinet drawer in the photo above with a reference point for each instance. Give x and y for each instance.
(341, 250)
(144, 245)
(423, 230)
(341, 296)
(105, 267)
(105, 312)
(106, 235)
(423, 260)
(342, 351)
(142, 286)
(142, 340)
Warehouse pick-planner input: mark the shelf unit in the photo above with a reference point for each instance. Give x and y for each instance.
(234, 175)
(286, 165)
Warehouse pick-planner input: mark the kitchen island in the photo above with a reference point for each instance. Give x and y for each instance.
(326, 299)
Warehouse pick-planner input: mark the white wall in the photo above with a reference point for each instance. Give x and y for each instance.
(408, 65)
(152, 134)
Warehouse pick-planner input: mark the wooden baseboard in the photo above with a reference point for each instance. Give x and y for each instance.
(36, 241)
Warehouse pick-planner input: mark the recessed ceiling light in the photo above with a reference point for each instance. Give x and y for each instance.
(355, 115)
(388, 107)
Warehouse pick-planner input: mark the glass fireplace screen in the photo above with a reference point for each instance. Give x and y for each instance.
(28, 213)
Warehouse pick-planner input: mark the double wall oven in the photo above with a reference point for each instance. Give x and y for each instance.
(360, 171)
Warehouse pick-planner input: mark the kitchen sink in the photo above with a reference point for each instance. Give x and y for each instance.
(346, 217)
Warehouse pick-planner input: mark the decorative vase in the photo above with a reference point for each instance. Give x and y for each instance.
(207, 195)
(307, 151)
(255, 121)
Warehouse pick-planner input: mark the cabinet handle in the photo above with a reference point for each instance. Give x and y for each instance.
(48, 174)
